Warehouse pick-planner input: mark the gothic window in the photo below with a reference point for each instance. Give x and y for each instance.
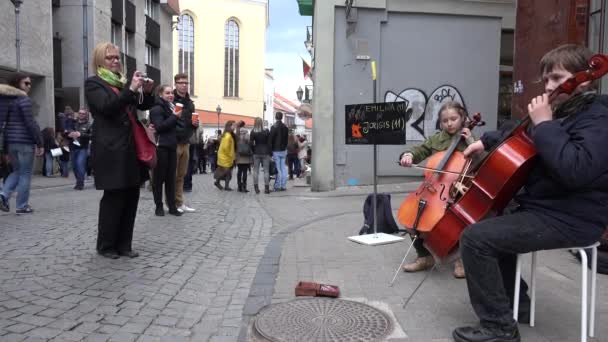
(185, 57)
(231, 59)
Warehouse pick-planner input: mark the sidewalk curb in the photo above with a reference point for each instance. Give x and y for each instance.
(262, 289)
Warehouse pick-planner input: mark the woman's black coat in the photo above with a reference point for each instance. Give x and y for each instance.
(113, 153)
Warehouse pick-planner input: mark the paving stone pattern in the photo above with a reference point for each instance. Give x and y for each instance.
(190, 283)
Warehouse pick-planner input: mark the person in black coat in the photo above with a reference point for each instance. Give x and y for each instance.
(164, 118)
(118, 172)
(261, 154)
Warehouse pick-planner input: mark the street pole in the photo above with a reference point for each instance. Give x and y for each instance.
(218, 110)
(17, 4)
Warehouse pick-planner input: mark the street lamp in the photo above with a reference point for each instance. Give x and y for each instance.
(219, 111)
(299, 93)
(17, 4)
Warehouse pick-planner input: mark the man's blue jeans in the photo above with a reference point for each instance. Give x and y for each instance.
(49, 162)
(279, 159)
(79, 164)
(22, 159)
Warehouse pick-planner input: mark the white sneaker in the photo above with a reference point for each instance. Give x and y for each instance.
(186, 209)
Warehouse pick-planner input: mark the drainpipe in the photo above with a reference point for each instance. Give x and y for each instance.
(85, 40)
(17, 4)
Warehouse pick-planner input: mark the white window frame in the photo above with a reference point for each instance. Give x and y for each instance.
(185, 29)
(151, 57)
(151, 9)
(232, 35)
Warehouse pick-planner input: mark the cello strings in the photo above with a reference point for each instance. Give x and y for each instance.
(436, 170)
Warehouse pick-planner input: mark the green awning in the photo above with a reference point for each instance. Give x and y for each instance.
(306, 7)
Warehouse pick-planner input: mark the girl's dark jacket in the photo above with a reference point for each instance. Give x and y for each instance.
(164, 121)
(260, 142)
(113, 153)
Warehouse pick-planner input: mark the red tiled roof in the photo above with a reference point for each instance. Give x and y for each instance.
(285, 100)
(210, 118)
(280, 107)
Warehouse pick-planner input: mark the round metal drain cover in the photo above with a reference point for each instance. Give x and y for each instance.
(322, 319)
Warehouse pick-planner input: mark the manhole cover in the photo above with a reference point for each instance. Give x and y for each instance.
(322, 319)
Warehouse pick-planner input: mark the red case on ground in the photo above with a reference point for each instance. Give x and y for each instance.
(306, 288)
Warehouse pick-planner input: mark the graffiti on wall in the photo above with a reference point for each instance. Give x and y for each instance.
(422, 110)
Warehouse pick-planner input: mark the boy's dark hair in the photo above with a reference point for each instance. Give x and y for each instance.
(16, 79)
(180, 76)
(571, 57)
(278, 116)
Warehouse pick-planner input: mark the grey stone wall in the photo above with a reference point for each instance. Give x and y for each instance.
(166, 48)
(36, 51)
(424, 59)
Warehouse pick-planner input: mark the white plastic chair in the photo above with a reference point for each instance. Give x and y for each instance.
(584, 287)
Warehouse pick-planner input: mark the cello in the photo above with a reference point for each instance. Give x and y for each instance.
(422, 209)
(500, 175)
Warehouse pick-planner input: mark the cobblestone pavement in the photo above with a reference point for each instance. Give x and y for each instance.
(204, 276)
(190, 282)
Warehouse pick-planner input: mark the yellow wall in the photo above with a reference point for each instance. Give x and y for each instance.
(209, 18)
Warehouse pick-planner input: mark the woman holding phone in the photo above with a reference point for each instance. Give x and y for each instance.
(118, 172)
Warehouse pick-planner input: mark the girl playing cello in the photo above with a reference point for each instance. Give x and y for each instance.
(452, 118)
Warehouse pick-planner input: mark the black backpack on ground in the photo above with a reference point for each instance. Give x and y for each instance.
(386, 222)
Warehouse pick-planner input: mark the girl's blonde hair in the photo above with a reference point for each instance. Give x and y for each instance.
(99, 55)
(455, 106)
(258, 125)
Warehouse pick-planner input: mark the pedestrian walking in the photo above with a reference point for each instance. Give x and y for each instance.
(22, 138)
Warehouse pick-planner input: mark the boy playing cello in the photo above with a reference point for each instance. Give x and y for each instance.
(564, 199)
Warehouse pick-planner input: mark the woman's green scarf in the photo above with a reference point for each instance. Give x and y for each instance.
(113, 79)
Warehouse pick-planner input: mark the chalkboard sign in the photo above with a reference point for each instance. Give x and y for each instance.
(379, 123)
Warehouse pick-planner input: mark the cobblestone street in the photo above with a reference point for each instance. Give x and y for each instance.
(190, 282)
(204, 276)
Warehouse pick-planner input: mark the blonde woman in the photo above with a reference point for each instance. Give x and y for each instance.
(118, 172)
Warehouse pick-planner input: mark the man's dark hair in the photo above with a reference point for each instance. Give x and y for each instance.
(278, 116)
(16, 79)
(572, 58)
(180, 76)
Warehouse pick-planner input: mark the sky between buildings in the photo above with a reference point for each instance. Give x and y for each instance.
(284, 46)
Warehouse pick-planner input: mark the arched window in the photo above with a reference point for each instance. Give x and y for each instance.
(231, 59)
(185, 29)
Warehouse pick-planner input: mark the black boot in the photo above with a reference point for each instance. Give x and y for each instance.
(239, 185)
(481, 334)
(218, 185)
(266, 189)
(244, 187)
(256, 188)
(227, 186)
(159, 210)
(175, 212)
